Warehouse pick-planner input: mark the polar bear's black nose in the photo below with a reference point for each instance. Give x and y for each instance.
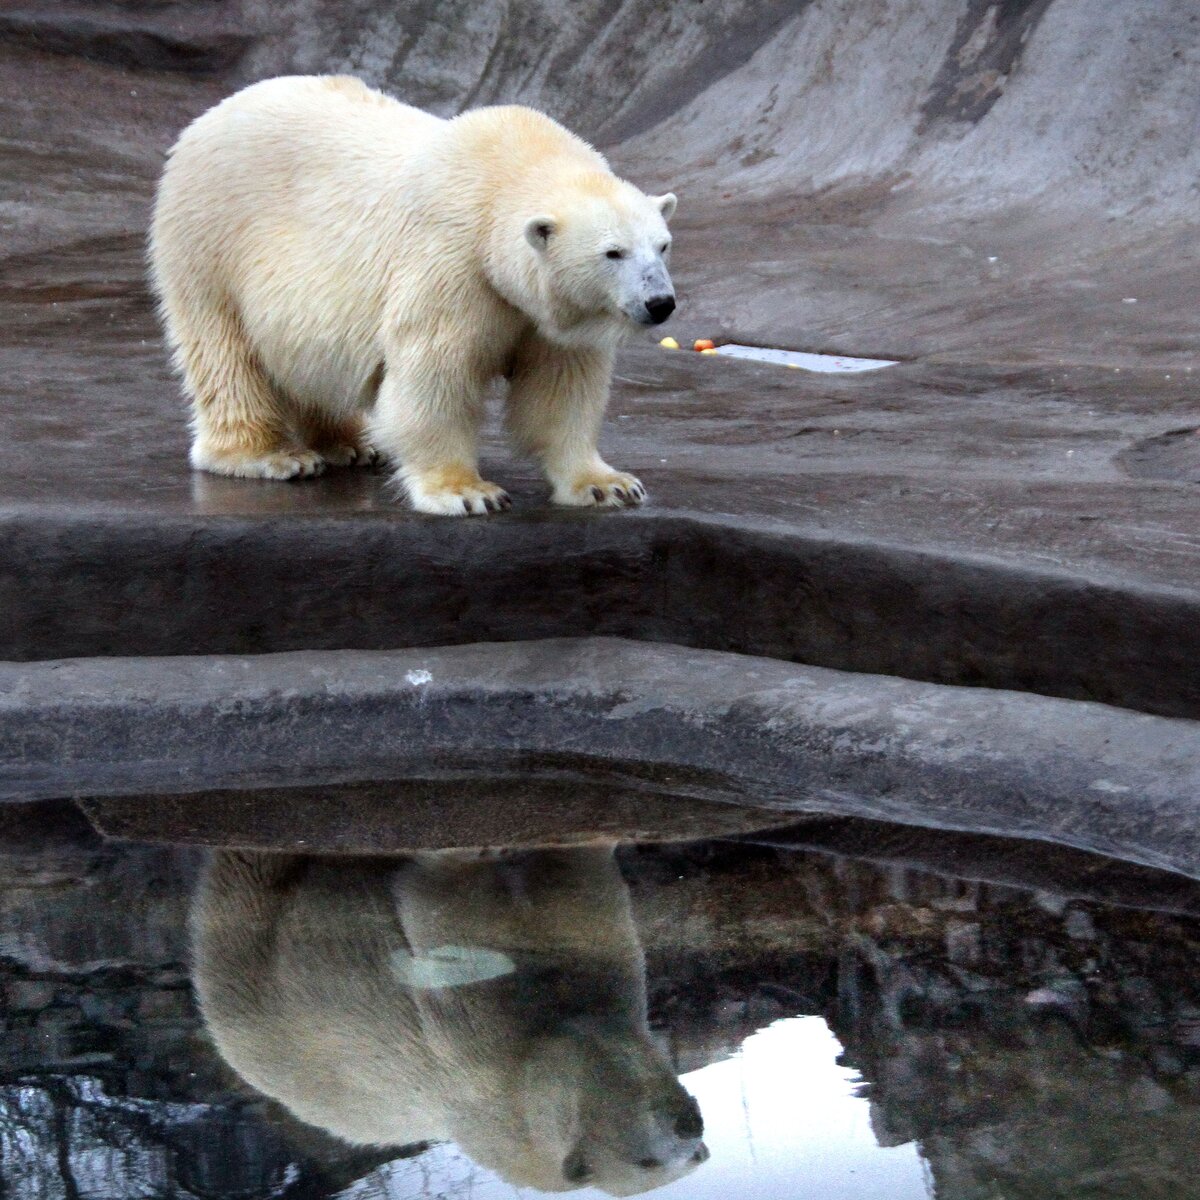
(660, 308)
(576, 1168)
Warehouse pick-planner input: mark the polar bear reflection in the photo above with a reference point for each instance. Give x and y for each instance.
(499, 1003)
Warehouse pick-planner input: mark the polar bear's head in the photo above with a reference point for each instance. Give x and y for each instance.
(587, 1097)
(602, 1108)
(600, 251)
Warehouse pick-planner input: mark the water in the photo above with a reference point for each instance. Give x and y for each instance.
(835, 364)
(708, 1019)
(766, 1137)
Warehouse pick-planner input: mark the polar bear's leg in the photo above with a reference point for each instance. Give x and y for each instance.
(427, 420)
(239, 423)
(556, 403)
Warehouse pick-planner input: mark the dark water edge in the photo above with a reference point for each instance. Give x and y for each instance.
(1025, 1039)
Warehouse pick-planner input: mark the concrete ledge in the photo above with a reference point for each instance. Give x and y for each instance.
(88, 583)
(718, 727)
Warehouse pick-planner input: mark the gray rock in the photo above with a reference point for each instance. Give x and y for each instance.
(775, 736)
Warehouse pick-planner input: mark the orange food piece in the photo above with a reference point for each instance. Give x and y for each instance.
(704, 344)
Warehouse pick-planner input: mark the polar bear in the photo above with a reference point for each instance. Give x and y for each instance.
(324, 254)
(496, 1002)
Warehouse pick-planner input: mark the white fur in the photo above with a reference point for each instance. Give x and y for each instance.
(322, 252)
(497, 1003)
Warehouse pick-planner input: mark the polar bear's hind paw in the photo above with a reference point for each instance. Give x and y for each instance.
(350, 454)
(275, 464)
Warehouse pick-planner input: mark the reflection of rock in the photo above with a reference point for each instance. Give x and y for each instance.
(497, 1002)
(114, 1146)
(1054, 1061)
(1033, 1047)
(108, 1088)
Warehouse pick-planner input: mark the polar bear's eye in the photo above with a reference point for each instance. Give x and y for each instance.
(664, 247)
(614, 254)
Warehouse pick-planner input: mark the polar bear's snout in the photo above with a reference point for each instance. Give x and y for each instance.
(653, 299)
(660, 308)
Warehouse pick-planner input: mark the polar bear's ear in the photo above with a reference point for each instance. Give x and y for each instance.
(666, 205)
(539, 230)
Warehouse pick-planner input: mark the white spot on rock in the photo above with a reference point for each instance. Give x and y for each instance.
(417, 678)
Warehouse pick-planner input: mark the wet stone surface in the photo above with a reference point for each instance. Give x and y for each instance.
(846, 1027)
(1174, 455)
(857, 1012)
(974, 514)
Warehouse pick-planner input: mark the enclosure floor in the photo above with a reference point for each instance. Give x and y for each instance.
(1041, 426)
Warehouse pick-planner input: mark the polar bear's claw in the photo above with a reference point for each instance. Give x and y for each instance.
(492, 502)
(460, 499)
(350, 455)
(477, 503)
(278, 464)
(303, 464)
(614, 490)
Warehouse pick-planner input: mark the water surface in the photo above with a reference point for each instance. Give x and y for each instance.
(707, 1019)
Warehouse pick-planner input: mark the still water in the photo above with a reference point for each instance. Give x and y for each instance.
(766, 1018)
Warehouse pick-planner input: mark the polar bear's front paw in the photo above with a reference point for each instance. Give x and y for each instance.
(455, 493)
(602, 489)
